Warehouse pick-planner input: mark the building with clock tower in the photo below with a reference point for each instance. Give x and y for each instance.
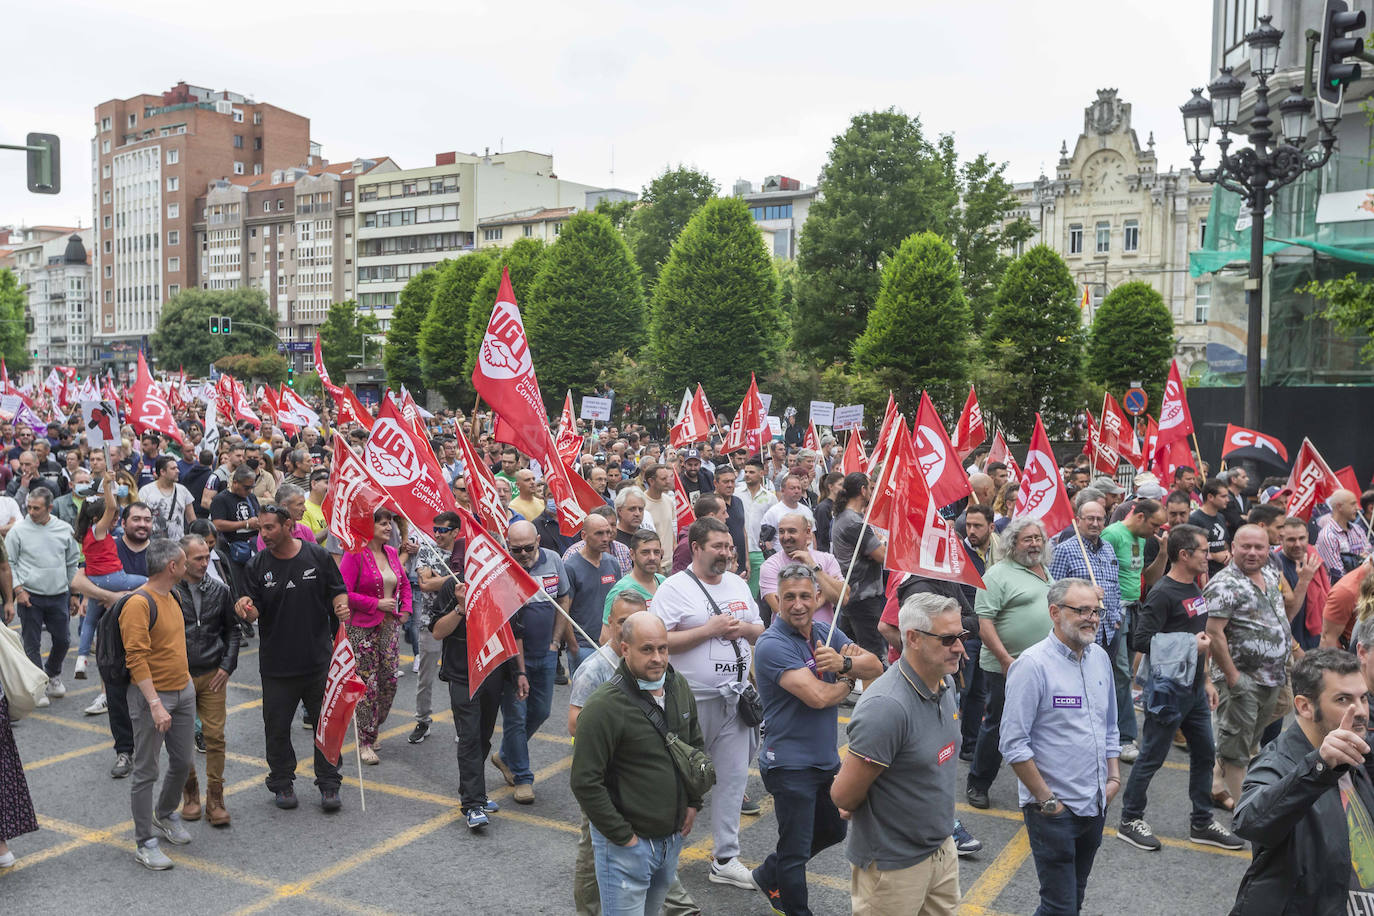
(1114, 217)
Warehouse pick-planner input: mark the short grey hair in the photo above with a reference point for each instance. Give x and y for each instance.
(1060, 587)
(42, 493)
(189, 540)
(625, 493)
(1232, 473)
(161, 553)
(807, 453)
(1087, 495)
(920, 610)
(795, 571)
(287, 491)
(1363, 634)
(244, 474)
(1014, 528)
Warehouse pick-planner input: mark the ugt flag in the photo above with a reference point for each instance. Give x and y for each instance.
(342, 690)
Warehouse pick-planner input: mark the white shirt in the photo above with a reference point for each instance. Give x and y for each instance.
(779, 509)
(171, 507)
(711, 664)
(9, 511)
(754, 509)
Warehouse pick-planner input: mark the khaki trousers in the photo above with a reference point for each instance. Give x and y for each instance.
(929, 888)
(210, 708)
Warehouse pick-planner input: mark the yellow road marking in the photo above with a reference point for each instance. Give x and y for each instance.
(69, 755)
(999, 872)
(71, 723)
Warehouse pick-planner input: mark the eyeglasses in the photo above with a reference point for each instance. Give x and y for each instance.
(1087, 610)
(527, 548)
(442, 529)
(946, 639)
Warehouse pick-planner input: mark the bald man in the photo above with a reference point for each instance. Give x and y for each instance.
(1341, 544)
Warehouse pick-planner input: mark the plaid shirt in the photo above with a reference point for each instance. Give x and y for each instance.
(618, 550)
(1068, 563)
(1332, 541)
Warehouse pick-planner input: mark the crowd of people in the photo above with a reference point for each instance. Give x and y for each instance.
(1191, 612)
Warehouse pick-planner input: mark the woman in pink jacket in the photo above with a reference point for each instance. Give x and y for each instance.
(379, 599)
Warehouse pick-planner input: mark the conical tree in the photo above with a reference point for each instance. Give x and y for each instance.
(717, 314)
(443, 332)
(401, 358)
(1132, 340)
(523, 259)
(918, 330)
(1033, 345)
(585, 304)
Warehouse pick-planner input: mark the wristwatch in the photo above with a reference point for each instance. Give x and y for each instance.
(848, 664)
(1050, 806)
(816, 568)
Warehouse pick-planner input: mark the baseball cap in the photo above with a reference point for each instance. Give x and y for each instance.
(1150, 491)
(691, 453)
(1107, 485)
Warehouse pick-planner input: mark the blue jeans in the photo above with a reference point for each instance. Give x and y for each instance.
(633, 880)
(974, 697)
(118, 581)
(987, 757)
(808, 822)
(50, 612)
(1194, 719)
(1119, 651)
(520, 719)
(1064, 847)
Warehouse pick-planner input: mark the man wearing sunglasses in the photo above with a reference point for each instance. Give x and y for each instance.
(1060, 736)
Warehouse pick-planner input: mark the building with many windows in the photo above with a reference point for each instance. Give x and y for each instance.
(53, 266)
(780, 207)
(542, 223)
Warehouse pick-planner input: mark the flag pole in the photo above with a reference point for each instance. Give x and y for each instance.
(1078, 535)
(358, 749)
(844, 587)
(1197, 450)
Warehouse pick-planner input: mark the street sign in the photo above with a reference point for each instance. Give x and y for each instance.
(1135, 401)
(296, 346)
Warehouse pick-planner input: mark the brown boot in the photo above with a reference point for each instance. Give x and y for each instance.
(215, 812)
(190, 799)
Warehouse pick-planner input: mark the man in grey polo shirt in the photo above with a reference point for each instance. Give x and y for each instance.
(899, 775)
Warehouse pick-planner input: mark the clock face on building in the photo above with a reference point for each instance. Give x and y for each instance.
(1104, 172)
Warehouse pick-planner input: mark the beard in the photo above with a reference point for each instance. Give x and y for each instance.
(1027, 556)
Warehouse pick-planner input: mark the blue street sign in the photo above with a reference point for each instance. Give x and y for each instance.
(1135, 402)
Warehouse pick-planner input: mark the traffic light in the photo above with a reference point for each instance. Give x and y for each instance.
(1334, 74)
(291, 374)
(225, 325)
(44, 163)
(214, 324)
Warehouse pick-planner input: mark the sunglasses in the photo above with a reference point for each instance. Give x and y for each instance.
(442, 529)
(279, 511)
(528, 548)
(946, 639)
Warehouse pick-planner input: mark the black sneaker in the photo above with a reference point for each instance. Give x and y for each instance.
(966, 752)
(560, 677)
(1213, 834)
(200, 742)
(420, 733)
(286, 798)
(329, 800)
(978, 798)
(1139, 835)
(123, 766)
(750, 807)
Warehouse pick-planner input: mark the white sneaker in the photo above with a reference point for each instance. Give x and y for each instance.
(99, 707)
(733, 872)
(150, 856)
(415, 665)
(82, 661)
(43, 702)
(400, 673)
(56, 688)
(7, 860)
(1129, 752)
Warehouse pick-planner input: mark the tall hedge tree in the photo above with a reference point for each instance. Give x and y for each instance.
(918, 333)
(342, 339)
(884, 180)
(717, 313)
(1132, 339)
(665, 207)
(523, 260)
(1033, 345)
(13, 306)
(443, 333)
(586, 303)
(980, 234)
(401, 358)
(183, 335)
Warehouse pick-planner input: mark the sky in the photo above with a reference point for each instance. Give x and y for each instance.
(738, 90)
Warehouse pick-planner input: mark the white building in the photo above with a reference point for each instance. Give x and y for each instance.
(779, 208)
(53, 266)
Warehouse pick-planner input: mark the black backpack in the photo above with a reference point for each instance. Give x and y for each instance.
(109, 646)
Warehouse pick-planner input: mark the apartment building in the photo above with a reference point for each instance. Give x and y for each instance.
(150, 156)
(780, 208)
(53, 267)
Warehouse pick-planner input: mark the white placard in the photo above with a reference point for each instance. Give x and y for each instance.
(9, 406)
(596, 409)
(766, 400)
(1345, 206)
(848, 417)
(775, 424)
(823, 413)
(101, 428)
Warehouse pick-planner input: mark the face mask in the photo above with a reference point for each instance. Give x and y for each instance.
(122, 490)
(653, 685)
(253, 463)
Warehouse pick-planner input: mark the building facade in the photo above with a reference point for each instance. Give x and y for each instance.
(779, 207)
(1115, 217)
(53, 266)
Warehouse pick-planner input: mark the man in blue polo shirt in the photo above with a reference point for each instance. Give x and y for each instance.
(802, 682)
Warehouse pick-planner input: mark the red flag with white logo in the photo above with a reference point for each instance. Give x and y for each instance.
(944, 475)
(352, 499)
(1117, 430)
(482, 488)
(683, 514)
(900, 461)
(811, 440)
(923, 543)
(293, 406)
(504, 376)
(348, 407)
(405, 467)
(1312, 479)
(1175, 420)
(342, 691)
(891, 417)
(969, 432)
(320, 370)
(749, 430)
(1249, 443)
(572, 495)
(1042, 494)
(853, 460)
(149, 410)
(568, 443)
(693, 422)
(1102, 446)
(1000, 453)
(497, 587)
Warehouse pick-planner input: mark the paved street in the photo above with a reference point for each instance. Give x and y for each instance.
(409, 853)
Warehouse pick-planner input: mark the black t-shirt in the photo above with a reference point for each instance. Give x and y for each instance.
(1170, 607)
(135, 562)
(453, 665)
(1214, 526)
(624, 537)
(229, 506)
(295, 602)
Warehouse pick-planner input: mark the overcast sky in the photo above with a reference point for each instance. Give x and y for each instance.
(738, 89)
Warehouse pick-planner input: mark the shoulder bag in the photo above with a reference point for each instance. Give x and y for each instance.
(750, 705)
(693, 765)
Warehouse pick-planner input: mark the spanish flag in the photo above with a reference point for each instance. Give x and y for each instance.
(1087, 297)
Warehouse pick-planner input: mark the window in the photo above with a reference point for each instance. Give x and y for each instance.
(529, 231)
(1202, 302)
(257, 143)
(109, 247)
(491, 235)
(557, 228)
(173, 289)
(173, 156)
(266, 230)
(133, 119)
(106, 223)
(109, 271)
(104, 124)
(238, 115)
(257, 117)
(173, 182)
(1130, 237)
(1104, 238)
(105, 171)
(1075, 239)
(173, 211)
(106, 197)
(1202, 233)
(257, 168)
(238, 141)
(348, 197)
(1237, 18)
(108, 298)
(281, 204)
(104, 146)
(267, 207)
(238, 168)
(174, 237)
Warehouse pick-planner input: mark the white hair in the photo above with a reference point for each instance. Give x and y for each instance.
(625, 493)
(920, 610)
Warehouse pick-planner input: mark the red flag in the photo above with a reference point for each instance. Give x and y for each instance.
(350, 409)
(749, 430)
(900, 461)
(234, 401)
(1312, 479)
(482, 489)
(405, 467)
(1042, 494)
(1238, 438)
(271, 411)
(854, 458)
(568, 443)
(693, 422)
(1175, 420)
(352, 499)
(149, 409)
(1102, 444)
(411, 412)
(504, 376)
(342, 690)
(1152, 446)
(891, 417)
(811, 440)
(944, 475)
(572, 495)
(923, 543)
(684, 516)
(1117, 429)
(999, 452)
(497, 587)
(1349, 481)
(1169, 458)
(320, 370)
(969, 432)
(1089, 446)
(292, 405)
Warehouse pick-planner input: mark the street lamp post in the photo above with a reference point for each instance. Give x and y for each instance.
(1255, 173)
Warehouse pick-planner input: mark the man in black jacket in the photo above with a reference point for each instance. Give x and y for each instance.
(1307, 800)
(212, 654)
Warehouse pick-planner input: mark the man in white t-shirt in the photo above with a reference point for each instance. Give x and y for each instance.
(789, 500)
(9, 514)
(170, 502)
(713, 652)
(660, 504)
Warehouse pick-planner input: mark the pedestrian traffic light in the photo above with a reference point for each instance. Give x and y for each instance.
(224, 324)
(1334, 73)
(214, 324)
(291, 375)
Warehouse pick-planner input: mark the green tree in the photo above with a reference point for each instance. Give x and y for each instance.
(13, 318)
(617, 211)
(183, 335)
(250, 369)
(442, 333)
(921, 299)
(979, 234)
(717, 313)
(1349, 306)
(1132, 339)
(585, 303)
(664, 209)
(523, 260)
(882, 182)
(1033, 345)
(342, 336)
(401, 358)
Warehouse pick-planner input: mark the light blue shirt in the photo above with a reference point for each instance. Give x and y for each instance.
(1061, 711)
